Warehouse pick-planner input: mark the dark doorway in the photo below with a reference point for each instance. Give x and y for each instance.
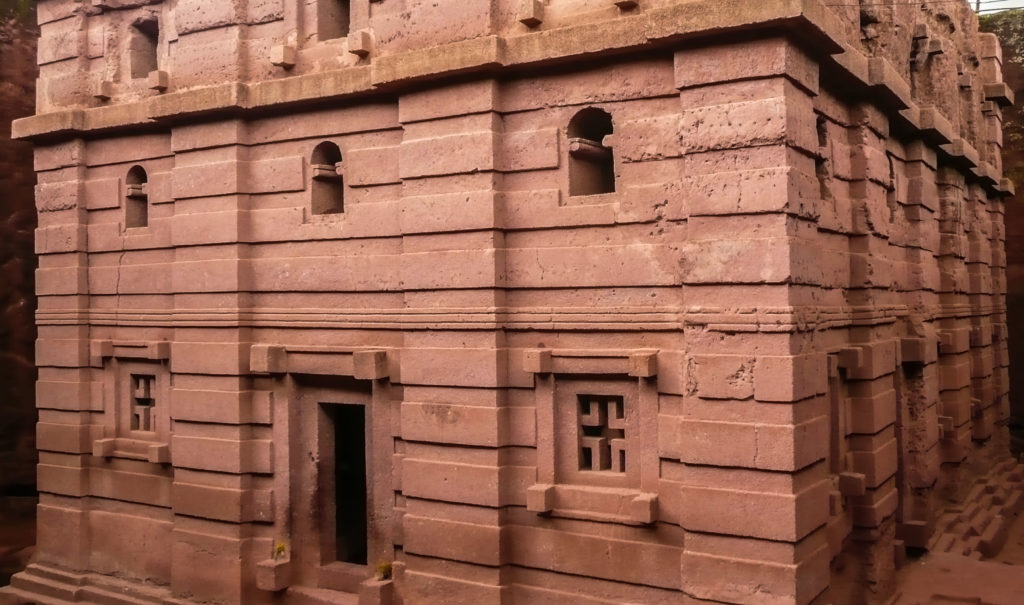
(349, 423)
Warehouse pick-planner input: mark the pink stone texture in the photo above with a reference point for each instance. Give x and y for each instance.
(538, 302)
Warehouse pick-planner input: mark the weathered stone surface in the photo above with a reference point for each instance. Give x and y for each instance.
(621, 302)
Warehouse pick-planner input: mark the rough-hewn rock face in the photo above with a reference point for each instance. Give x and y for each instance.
(1009, 26)
(568, 301)
(17, 223)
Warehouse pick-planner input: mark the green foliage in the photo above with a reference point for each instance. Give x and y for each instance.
(1009, 26)
(23, 10)
(280, 550)
(384, 570)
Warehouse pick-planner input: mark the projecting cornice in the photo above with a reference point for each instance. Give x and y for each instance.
(807, 21)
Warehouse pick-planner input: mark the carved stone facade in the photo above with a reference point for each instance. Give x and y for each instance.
(572, 301)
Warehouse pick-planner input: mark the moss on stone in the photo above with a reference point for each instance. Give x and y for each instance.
(20, 9)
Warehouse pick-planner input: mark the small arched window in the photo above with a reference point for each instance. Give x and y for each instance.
(332, 19)
(136, 198)
(327, 186)
(591, 161)
(142, 47)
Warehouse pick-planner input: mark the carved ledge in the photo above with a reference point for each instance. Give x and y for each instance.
(377, 592)
(531, 13)
(360, 42)
(282, 55)
(999, 92)
(273, 575)
(155, 350)
(639, 363)
(367, 364)
(158, 80)
(156, 452)
(616, 505)
(104, 90)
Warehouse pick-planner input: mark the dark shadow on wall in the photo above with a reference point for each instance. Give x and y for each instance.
(1009, 26)
(17, 299)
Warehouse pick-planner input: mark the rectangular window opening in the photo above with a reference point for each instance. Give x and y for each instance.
(143, 44)
(332, 19)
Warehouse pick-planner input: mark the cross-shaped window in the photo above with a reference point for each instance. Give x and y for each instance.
(602, 433)
(142, 402)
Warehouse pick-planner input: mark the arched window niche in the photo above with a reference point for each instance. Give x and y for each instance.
(136, 198)
(327, 186)
(591, 161)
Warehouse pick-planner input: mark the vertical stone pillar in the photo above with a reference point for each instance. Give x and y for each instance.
(66, 396)
(954, 325)
(215, 452)
(1001, 358)
(997, 95)
(984, 408)
(918, 344)
(65, 393)
(453, 377)
(754, 388)
(871, 363)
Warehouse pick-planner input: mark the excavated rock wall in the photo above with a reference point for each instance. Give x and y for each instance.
(1009, 26)
(630, 301)
(18, 70)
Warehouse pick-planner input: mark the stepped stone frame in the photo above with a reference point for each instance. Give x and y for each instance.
(134, 392)
(587, 301)
(604, 390)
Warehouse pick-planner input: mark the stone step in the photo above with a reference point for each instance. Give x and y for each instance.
(1004, 466)
(107, 590)
(9, 595)
(994, 537)
(1014, 503)
(55, 574)
(962, 531)
(970, 512)
(44, 586)
(974, 494)
(946, 521)
(978, 524)
(99, 596)
(945, 543)
(319, 596)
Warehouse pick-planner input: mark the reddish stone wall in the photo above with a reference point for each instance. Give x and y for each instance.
(1009, 27)
(751, 364)
(17, 296)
